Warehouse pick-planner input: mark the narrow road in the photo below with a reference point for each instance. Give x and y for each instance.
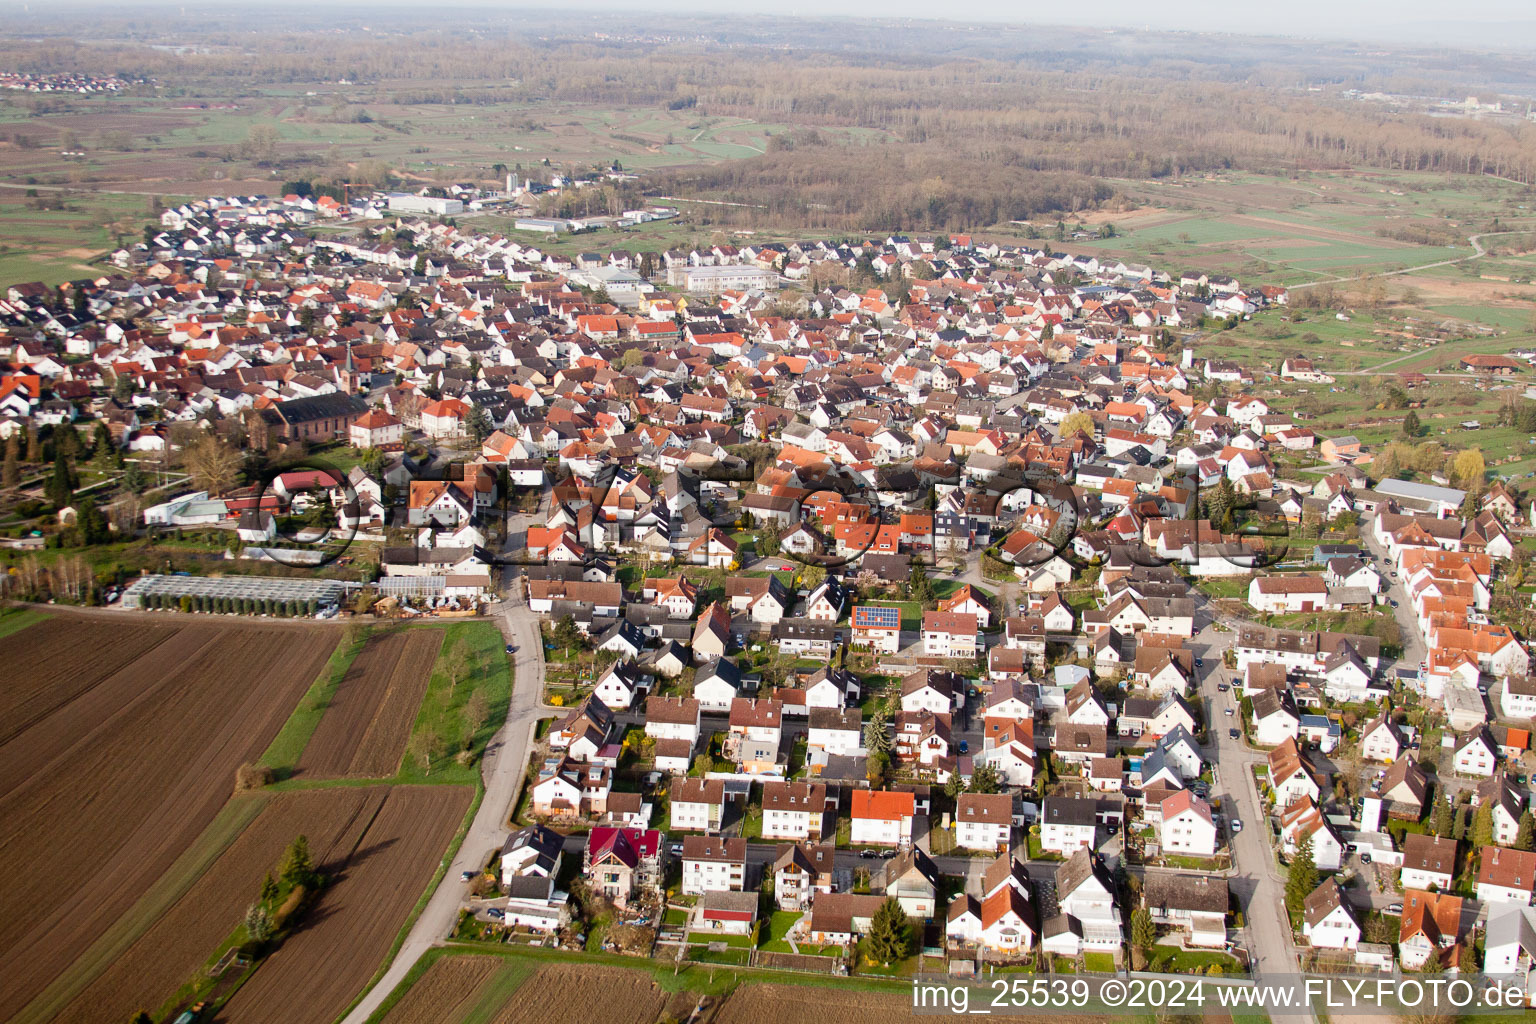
(1476, 241)
(505, 760)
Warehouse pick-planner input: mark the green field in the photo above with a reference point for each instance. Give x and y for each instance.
(1307, 226)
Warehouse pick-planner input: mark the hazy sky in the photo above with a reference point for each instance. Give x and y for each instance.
(1491, 23)
(1487, 24)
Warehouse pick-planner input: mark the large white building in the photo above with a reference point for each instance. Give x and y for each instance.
(712, 280)
(406, 203)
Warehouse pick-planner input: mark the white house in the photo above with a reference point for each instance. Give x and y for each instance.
(1275, 718)
(1428, 861)
(713, 864)
(882, 818)
(1068, 824)
(984, 821)
(1476, 754)
(797, 810)
(1328, 921)
(1187, 827)
(1506, 876)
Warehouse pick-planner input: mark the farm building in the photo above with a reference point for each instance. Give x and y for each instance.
(147, 590)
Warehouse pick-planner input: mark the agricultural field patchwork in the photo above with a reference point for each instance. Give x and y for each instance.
(366, 724)
(108, 787)
(316, 973)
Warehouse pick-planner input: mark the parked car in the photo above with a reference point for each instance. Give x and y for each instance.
(965, 747)
(1233, 733)
(1365, 858)
(1199, 663)
(1237, 824)
(1394, 908)
(1229, 712)
(495, 913)
(1222, 687)
(867, 854)
(466, 876)
(511, 649)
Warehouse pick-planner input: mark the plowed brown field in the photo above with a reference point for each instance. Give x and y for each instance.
(612, 995)
(56, 660)
(805, 1004)
(178, 944)
(102, 791)
(446, 992)
(364, 730)
(316, 973)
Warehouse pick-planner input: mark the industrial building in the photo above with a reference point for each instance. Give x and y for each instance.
(713, 280)
(274, 589)
(404, 202)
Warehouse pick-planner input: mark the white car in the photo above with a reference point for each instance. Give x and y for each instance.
(1237, 825)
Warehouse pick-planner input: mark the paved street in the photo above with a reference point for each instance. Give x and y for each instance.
(506, 759)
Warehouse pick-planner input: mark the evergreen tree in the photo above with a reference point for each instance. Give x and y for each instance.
(103, 450)
(922, 586)
(11, 475)
(61, 485)
(1433, 965)
(1143, 934)
(1411, 424)
(875, 739)
(91, 523)
(1482, 825)
(1525, 835)
(984, 779)
(134, 480)
(1467, 962)
(1444, 822)
(890, 933)
(32, 448)
(297, 868)
(1302, 877)
(876, 767)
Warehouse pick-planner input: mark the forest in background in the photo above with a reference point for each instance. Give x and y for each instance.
(967, 129)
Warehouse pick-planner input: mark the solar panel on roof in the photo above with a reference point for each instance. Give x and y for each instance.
(880, 618)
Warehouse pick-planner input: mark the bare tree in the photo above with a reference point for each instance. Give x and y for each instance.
(476, 710)
(213, 464)
(425, 746)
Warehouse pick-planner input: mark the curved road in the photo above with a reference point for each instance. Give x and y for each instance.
(503, 767)
(1477, 253)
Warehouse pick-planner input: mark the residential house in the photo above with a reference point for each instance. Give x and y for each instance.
(1194, 904)
(1428, 861)
(1430, 924)
(1476, 754)
(798, 810)
(1068, 824)
(697, 804)
(1506, 876)
(984, 821)
(876, 628)
(1187, 827)
(950, 634)
(713, 864)
(1088, 919)
(881, 818)
(1328, 920)
(621, 862)
(801, 872)
(913, 879)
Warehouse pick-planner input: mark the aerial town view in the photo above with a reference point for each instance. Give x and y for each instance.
(657, 514)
